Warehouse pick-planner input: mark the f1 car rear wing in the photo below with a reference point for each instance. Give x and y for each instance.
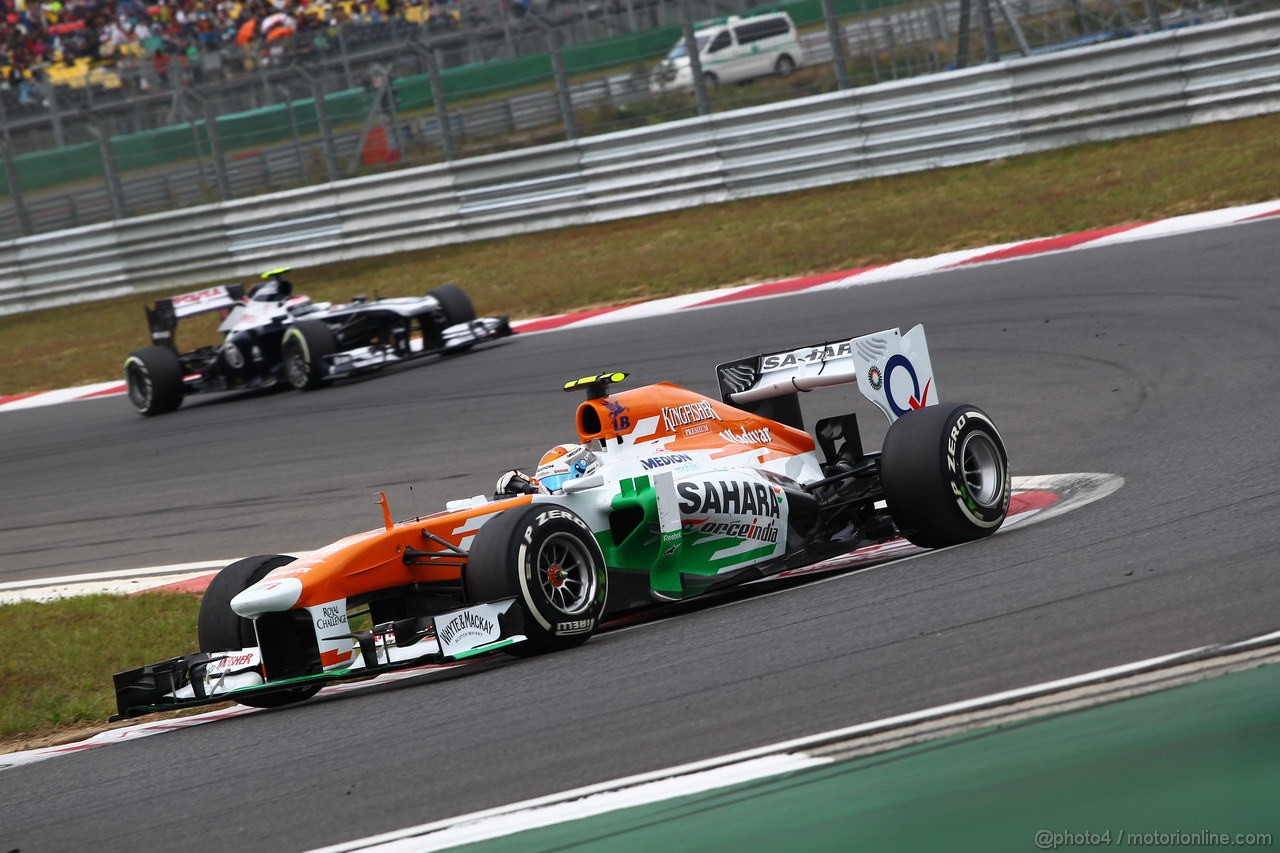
(163, 318)
(892, 370)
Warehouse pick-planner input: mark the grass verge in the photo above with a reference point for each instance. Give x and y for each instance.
(55, 674)
(840, 227)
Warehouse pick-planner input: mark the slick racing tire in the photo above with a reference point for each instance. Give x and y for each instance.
(547, 559)
(455, 307)
(221, 629)
(945, 475)
(153, 377)
(303, 350)
(455, 304)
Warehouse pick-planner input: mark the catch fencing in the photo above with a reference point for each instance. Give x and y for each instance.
(1157, 82)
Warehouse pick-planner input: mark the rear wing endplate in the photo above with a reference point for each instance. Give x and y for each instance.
(891, 369)
(163, 318)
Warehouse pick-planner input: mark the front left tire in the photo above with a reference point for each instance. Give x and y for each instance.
(546, 558)
(454, 306)
(454, 303)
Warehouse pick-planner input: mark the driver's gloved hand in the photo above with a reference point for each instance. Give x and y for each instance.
(517, 483)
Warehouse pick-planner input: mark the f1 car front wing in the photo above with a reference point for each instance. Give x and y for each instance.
(455, 337)
(204, 678)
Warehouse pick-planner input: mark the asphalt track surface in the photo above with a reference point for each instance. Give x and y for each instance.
(1154, 360)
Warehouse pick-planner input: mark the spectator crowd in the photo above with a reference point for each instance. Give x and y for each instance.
(195, 39)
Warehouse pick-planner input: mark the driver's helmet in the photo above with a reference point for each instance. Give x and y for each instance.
(274, 287)
(563, 463)
(271, 290)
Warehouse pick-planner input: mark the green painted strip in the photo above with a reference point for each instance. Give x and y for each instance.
(1203, 758)
(480, 650)
(297, 679)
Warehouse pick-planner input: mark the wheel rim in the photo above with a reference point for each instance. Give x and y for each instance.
(983, 469)
(566, 574)
(296, 366)
(139, 383)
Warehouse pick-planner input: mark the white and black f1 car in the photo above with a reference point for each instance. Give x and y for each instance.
(272, 336)
(664, 495)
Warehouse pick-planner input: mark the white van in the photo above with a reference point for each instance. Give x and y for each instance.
(731, 50)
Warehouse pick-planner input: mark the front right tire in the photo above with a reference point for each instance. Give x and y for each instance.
(221, 629)
(303, 350)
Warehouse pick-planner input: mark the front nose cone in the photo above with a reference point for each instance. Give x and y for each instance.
(271, 596)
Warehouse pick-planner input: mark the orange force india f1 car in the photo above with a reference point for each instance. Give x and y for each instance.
(669, 494)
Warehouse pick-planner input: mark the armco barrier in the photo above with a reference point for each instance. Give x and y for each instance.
(1158, 82)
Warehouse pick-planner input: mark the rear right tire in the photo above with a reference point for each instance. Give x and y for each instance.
(153, 378)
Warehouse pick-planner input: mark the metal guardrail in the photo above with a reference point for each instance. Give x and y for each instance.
(169, 168)
(1152, 83)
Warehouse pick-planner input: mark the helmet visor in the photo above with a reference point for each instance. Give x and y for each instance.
(555, 482)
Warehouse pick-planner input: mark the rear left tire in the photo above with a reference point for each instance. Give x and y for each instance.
(945, 475)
